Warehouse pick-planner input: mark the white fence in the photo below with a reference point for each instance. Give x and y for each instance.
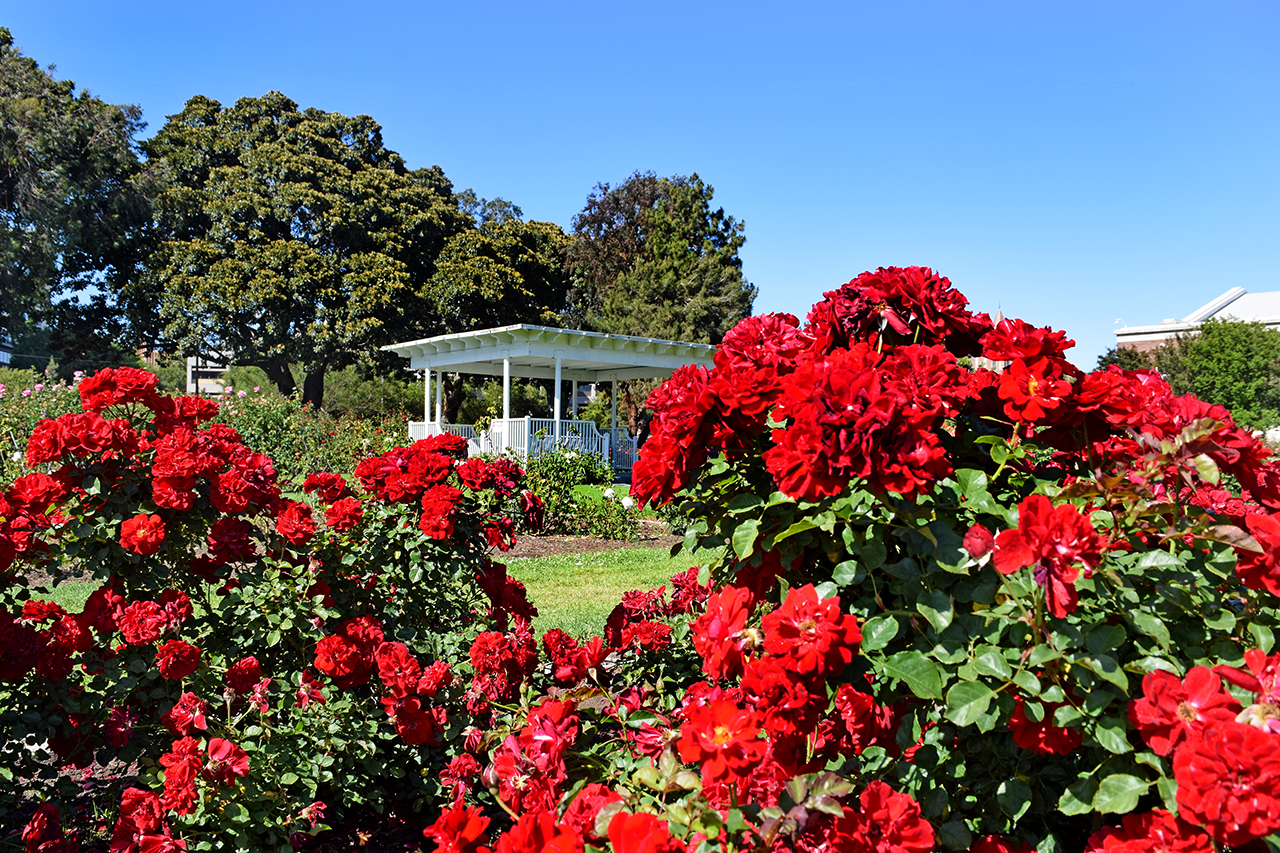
(527, 437)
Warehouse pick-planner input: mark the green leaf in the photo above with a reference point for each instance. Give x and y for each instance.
(935, 606)
(1078, 798)
(1014, 797)
(1108, 670)
(878, 631)
(873, 554)
(1263, 636)
(1119, 793)
(1028, 682)
(950, 552)
(989, 660)
(744, 537)
(745, 501)
(799, 527)
(847, 573)
(1151, 626)
(1105, 638)
(1221, 620)
(1158, 559)
(1112, 736)
(967, 701)
(288, 778)
(917, 672)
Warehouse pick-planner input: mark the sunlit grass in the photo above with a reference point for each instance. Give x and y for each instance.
(576, 592)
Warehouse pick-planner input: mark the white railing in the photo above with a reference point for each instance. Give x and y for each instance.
(525, 437)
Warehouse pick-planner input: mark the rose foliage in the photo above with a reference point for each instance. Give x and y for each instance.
(960, 595)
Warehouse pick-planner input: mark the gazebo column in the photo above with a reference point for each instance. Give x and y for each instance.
(439, 396)
(613, 399)
(426, 395)
(573, 401)
(506, 403)
(556, 414)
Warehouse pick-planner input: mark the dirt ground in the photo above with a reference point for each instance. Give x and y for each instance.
(652, 535)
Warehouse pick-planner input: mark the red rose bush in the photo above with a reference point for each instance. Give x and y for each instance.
(956, 594)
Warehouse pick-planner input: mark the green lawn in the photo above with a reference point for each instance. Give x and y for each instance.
(576, 592)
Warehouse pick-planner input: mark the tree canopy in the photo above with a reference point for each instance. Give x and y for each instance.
(291, 236)
(1228, 362)
(651, 258)
(71, 194)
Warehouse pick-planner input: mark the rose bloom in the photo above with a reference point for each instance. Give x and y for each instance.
(885, 820)
(1171, 709)
(242, 675)
(641, 833)
(295, 524)
(814, 635)
(344, 514)
(1156, 831)
(226, 761)
(1044, 736)
(1228, 779)
(142, 534)
(141, 623)
(459, 830)
(177, 659)
(724, 739)
(186, 714)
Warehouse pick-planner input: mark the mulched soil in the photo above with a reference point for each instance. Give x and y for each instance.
(653, 534)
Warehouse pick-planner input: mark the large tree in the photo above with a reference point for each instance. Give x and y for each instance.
(72, 196)
(651, 258)
(1229, 362)
(501, 272)
(289, 236)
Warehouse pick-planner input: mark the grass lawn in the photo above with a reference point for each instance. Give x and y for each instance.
(576, 592)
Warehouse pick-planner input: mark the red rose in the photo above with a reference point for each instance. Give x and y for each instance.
(142, 622)
(1171, 709)
(142, 534)
(243, 675)
(182, 765)
(177, 659)
(140, 815)
(344, 514)
(1156, 831)
(886, 820)
(328, 487)
(1228, 777)
(1043, 736)
(186, 714)
(295, 523)
(226, 761)
(724, 739)
(641, 833)
(814, 635)
(459, 829)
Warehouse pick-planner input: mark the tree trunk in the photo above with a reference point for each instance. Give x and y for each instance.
(277, 371)
(313, 386)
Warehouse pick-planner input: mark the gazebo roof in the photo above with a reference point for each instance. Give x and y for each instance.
(584, 356)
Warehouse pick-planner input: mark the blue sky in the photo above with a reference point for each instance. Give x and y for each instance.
(1071, 164)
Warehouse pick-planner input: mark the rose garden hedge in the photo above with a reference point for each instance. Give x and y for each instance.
(962, 596)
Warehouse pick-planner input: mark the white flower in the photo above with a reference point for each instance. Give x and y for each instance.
(572, 454)
(16, 456)
(627, 503)
(608, 494)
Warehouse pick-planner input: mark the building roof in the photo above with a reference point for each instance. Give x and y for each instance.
(1236, 303)
(584, 356)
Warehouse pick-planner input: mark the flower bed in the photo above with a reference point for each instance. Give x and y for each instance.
(958, 608)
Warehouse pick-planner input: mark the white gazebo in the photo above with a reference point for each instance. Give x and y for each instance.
(541, 352)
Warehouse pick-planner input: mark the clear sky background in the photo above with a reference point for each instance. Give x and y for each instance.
(1071, 163)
